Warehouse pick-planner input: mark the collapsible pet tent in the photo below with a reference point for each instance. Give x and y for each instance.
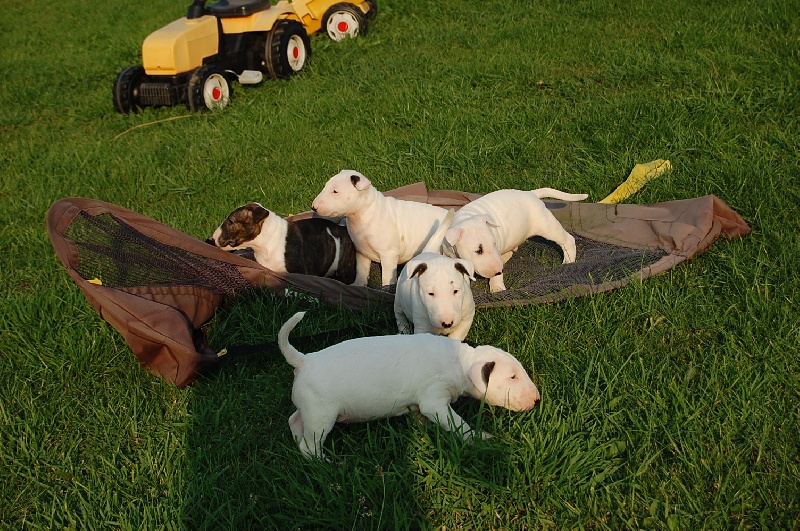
(158, 286)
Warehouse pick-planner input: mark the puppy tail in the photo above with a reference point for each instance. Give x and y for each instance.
(295, 358)
(435, 242)
(558, 194)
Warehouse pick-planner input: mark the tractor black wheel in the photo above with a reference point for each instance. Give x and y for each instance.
(344, 20)
(373, 9)
(126, 89)
(287, 49)
(209, 89)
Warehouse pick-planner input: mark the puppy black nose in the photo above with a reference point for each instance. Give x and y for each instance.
(210, 241)
(498, 273)
(313, 208)
(447, 325)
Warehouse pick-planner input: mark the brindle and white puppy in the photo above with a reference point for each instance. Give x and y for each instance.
(311, 246)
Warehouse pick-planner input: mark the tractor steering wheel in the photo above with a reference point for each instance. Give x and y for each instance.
(196, 10)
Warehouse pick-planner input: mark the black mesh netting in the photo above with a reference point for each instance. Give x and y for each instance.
(119, 256)
(122, 257)
(535, 272)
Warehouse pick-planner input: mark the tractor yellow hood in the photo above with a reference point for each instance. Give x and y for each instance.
(180, 46)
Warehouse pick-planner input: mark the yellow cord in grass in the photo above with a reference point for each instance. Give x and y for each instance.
(640, 175)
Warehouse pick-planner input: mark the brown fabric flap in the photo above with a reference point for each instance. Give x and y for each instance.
(683, 227)
(159, 323)
(160, 336)
(197, 304)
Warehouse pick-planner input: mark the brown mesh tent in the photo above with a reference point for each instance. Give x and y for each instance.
(158, 286)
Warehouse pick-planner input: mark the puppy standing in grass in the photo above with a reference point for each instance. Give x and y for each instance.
(373, 377)
(310, 246)
(384, 229)
(433, 292)
(488, 230)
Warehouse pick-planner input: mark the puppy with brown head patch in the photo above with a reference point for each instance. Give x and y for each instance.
(311, 246)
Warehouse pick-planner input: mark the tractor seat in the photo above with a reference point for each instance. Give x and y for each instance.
(237, 8)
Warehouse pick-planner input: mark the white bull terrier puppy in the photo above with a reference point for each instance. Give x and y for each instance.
(488, 230)
(383, 229)
(433, 291)
(373, 377)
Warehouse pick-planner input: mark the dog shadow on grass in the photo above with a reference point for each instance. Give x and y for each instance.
(247, 472)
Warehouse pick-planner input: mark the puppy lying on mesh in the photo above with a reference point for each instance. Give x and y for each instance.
(433, 292)
(488, 230)
(311, 246)
(372, 377)
(384, 229)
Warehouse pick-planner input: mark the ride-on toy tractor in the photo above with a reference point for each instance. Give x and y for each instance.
(193, 60)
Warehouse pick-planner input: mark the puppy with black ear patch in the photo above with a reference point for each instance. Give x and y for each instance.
(433, 292)
(384, 229)
(372, 377)
(311, 246)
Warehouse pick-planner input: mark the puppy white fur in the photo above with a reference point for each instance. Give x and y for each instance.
(433, 292)
(372, 377)
(383, 229)
(488, 230)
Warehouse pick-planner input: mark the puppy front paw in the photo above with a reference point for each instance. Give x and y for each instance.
(496, 284)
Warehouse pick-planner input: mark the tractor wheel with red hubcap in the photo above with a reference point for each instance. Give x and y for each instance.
(344, 20)
(209, 89)
(287, 49)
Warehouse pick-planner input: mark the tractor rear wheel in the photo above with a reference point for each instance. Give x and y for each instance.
(344, 20)
(373, 9)
(209, 89)
(287, 49)
(126, 89)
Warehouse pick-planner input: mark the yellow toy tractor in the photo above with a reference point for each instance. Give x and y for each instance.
(193, 60)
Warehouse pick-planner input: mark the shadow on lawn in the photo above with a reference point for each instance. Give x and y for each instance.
(247, 472)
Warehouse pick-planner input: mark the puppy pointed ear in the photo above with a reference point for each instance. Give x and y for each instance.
(479, 375)
(259, 214)
(489, 221)
(466, 268)
(419, 269)
(359, 181)
(453, 236)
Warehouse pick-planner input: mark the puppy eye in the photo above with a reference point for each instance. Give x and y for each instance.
(480, 250)
(335, 191)
(514, 377)
(455, 292)
(431, 294)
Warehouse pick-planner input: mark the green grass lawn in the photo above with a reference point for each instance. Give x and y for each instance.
(668, 404)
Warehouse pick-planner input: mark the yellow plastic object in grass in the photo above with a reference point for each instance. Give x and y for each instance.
(95, 280)
(640, 175)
